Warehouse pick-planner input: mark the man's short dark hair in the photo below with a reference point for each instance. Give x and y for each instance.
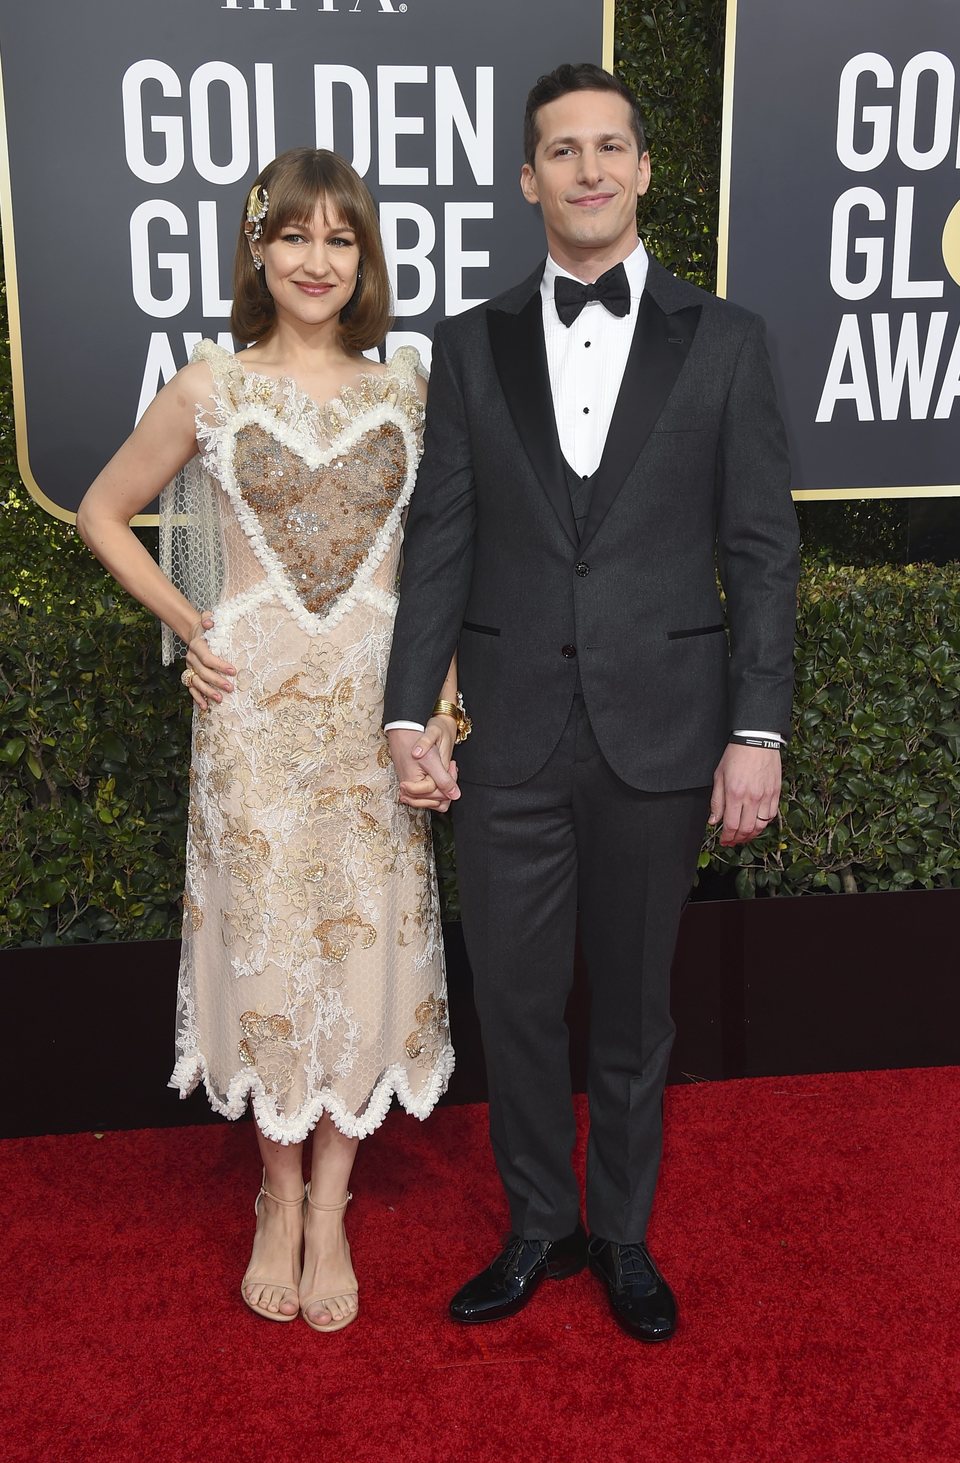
(583, 76)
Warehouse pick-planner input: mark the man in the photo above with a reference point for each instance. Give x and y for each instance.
(600, 441)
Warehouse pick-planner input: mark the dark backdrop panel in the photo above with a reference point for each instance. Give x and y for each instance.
(436, 91)
(799, 140)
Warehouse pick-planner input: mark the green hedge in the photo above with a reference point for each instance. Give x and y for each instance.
(93, 746)
(93, 751)
(872, 775)
(672, 57)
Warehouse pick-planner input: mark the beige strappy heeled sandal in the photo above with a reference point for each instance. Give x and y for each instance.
(259, 1280)
(310, 1299)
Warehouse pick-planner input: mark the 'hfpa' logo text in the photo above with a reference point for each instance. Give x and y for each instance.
(325, 7)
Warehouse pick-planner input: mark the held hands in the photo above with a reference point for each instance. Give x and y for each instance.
(746, 793)
(205, 676)
(427, 775)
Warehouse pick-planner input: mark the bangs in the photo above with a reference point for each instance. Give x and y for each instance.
(297, 191)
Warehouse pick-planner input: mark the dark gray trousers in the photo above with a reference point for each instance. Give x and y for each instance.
(575, 836)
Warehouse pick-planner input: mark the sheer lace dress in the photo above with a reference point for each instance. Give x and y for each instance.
(312, 975)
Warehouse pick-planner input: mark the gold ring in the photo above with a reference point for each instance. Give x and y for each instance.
(188, 677)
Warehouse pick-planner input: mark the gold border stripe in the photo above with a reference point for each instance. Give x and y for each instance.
(13, 320)
(825, 495)
(609, 11)
(726, 145)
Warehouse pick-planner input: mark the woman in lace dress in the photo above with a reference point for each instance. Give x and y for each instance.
(312, 975)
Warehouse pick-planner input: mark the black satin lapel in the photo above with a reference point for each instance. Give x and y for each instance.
(659, 349)
(520, 357)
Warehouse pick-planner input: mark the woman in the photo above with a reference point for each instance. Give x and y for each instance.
(312, 974)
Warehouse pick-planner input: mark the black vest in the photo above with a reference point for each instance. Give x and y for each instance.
(579, 489)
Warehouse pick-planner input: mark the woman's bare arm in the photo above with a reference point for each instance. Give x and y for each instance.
(164, 440)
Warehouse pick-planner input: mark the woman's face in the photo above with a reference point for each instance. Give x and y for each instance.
(311, 268)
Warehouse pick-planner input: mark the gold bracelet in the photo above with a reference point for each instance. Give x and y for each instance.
(454, 709)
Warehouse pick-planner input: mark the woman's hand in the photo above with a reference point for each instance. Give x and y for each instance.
(441, 732)
(206, 674)
(433, 762)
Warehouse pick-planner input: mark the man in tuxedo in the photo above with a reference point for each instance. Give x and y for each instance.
(601, 441)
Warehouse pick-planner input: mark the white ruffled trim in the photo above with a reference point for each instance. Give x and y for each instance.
(380, 599)
(248, 1085)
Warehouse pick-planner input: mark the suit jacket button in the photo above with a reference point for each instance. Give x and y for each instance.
(583, 569)
(568, 651)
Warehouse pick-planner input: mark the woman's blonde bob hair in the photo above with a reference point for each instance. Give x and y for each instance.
(296, 182)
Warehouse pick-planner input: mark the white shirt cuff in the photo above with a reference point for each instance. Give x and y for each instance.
(769, 736)
(403, 726)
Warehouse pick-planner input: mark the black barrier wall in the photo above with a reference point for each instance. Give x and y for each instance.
(840, 224)
(135, 129)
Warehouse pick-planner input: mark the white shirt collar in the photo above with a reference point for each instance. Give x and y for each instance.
(635, 266)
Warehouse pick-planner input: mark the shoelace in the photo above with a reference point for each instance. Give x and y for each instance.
(634, 1265)
(514, 1247)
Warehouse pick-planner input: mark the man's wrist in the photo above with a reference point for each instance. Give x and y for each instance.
(771, 743)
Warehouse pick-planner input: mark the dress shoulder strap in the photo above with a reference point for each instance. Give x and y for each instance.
(225, 368)
(405, 363)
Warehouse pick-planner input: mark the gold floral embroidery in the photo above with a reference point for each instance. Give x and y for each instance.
(200, 848)
(432, 1033)
(336, 940)
(267, 1045)
(289, 690)
(257, 1029)
(419, 835)
(192, 916)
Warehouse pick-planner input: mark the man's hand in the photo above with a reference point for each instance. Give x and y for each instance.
(746, 793)
(426, 781)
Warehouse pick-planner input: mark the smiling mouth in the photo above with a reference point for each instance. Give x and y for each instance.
(592, 200)
(312, 289)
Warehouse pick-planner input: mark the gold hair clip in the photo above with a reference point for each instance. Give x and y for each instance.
(257, 204)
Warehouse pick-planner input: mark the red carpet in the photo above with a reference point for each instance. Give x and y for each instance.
(809, 1225)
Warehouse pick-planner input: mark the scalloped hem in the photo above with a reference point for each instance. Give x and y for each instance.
(248, 1086)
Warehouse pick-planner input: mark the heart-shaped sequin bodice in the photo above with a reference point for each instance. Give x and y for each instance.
(322, 522)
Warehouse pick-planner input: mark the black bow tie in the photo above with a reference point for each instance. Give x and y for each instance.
(611, 289)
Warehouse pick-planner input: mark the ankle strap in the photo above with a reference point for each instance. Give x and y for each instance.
(326, 1208)
(284, 1203)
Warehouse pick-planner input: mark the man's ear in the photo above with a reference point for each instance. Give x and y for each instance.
(528, 184)
(643, 174)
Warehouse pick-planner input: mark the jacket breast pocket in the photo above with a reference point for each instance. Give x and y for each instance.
(700, 630)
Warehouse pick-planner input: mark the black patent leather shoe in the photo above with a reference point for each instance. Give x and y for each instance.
(640, 1298)
(510, 1281)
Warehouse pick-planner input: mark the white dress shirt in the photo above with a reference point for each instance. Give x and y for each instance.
(586, 361)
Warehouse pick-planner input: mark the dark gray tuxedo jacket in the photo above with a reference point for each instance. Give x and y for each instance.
(694, 480)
